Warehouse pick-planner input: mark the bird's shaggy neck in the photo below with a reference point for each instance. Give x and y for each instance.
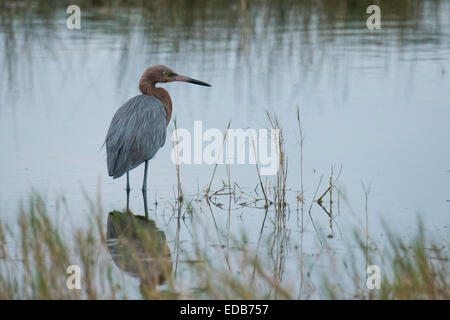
(148, 88)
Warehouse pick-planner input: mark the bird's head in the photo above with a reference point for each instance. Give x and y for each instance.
(161, 74)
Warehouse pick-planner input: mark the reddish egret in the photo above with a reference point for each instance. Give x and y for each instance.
(138, 129)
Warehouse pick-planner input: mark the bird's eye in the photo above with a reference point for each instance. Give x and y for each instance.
(165, 73)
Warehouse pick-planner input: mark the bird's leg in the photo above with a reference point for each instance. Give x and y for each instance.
(128, 190)
(128, 181)
(144, 189)
(144, 195)
(144, 184)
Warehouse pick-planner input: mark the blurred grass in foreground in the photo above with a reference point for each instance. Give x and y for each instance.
(35, 253)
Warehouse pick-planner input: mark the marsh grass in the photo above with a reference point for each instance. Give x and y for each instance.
(281, 177)
(132, 257)
(208, 187)
(175, 144)
(414, 268)
(36, 251)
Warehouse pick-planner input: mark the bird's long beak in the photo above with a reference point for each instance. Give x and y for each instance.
(190, 80)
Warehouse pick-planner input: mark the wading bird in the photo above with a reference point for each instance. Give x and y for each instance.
(138, 128)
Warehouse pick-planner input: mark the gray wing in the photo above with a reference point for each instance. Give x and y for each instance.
(136, 132)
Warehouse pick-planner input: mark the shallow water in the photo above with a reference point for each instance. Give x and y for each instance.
(374, 102)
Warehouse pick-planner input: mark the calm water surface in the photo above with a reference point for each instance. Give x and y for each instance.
(374, 102)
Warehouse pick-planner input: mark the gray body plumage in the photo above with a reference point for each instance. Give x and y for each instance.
(136, 132)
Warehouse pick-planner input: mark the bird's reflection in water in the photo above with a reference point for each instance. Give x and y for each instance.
(139, 248)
